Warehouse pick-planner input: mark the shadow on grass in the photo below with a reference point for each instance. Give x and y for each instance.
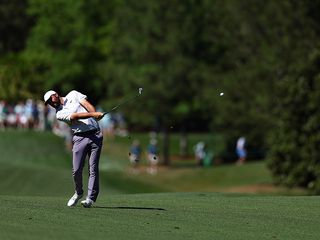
(132, 208)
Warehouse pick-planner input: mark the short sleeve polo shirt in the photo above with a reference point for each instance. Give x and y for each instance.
(72, 105)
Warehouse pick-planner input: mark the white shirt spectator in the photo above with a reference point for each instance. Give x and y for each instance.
(240, 143)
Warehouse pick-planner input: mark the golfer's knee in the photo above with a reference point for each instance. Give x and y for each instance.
(94, 173)
(77, 172)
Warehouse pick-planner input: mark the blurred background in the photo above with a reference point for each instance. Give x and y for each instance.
(230, 93)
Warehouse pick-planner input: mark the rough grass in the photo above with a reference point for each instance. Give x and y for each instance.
(36, 163)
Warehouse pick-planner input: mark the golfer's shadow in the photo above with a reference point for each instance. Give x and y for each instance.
(133, 208)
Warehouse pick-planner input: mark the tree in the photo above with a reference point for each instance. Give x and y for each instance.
(294, 156)
(14, 27)
(155, 46)
(294, 152)
(65, 45)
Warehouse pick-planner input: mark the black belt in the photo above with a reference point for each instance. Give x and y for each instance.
(87, 132)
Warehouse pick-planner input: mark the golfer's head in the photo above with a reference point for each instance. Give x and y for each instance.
(52, 98)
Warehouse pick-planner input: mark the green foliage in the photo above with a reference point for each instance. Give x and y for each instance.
(14, 28)
(18, 79)
(183, 53)
(65, 46)
(153, 46)
(247, 69)
(14, 25)
(294, 142)
(294, 155)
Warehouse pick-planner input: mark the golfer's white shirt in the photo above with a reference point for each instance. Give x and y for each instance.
(72, 105)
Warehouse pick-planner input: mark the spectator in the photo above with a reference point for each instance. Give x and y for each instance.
(41, 109)
(62, 130)
(241, 150)
(152, 156)
(50, 117)
(11, 117)
(28, 112)
(121, 129)
(3, 111)
(135, 155)
(106, 124)
(35, 115)
(200, 152)
(21, 118)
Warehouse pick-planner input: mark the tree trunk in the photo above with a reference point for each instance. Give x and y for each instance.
(183, 144)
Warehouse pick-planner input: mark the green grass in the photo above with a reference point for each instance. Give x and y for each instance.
(36, 163)
(184, 175)
(36, 182)
(29, 148)
(211, 179)
(117, 148)
(163, 216)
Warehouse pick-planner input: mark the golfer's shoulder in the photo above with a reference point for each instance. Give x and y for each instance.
(72, 93)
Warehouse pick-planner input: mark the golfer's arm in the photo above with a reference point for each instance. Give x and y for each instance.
(88, 106)
(84, 115)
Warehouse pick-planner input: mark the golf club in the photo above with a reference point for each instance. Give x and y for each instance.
(125, 101)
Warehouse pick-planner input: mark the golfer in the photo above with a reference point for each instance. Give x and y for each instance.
(75, 110)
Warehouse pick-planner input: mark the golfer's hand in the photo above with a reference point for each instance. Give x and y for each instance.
(98, 115)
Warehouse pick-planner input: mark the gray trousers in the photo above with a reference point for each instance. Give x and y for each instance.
(88, 144)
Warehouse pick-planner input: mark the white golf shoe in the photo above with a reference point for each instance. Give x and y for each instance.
(87, 203)
(74, 200)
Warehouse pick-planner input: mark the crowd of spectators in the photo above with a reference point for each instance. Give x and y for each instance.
(35, 115)
(27, 114)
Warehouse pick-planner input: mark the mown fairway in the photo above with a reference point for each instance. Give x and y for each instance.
(35, 184)
(163, 216)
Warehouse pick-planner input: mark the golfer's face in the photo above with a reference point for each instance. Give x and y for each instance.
(54, 100)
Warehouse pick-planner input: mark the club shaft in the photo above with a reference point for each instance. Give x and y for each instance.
(120, 104)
